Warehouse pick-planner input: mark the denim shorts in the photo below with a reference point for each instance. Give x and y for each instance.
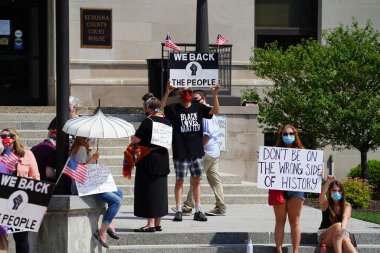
(291, 194)
(195, 165)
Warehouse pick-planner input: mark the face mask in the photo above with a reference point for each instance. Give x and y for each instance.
(288, 140)
(336, 196)
(6, 142)
(186, 97)
(195, 101)
(91, 141)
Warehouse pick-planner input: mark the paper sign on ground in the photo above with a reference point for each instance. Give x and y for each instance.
(290, 169)
(99, 179)
(23, 202)
(162, 135)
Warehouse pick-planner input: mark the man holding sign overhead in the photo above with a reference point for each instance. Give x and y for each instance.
(186, 118)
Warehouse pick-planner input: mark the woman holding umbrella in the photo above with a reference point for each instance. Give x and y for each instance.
(80, 152)
(151, 185)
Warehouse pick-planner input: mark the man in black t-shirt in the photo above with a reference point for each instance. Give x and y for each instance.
(186, 119)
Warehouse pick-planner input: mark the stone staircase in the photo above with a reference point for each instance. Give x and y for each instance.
(248, 215)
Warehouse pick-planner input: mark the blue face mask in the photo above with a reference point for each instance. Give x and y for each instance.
(288, 139)
(336, 196)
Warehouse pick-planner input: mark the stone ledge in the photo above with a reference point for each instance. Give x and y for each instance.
(69, 203)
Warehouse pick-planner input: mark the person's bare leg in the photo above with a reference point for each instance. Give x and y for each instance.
(178, 191)
(294, 207)
(280, 214)
(196, 184)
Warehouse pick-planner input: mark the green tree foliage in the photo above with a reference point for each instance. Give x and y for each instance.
(373, 173)
(330, 92)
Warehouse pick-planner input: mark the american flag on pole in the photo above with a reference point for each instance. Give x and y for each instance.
(77, 171)
(170, 44)
(220, 40)
(10, 159)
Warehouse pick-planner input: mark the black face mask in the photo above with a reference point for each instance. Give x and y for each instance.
(147, 114)
(195, 101)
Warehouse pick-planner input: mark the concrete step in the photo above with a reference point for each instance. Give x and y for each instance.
(226, 248)
(47, 117)
(258, 238)
(210, 199)
(244, 188)
(123, 142)
(120, 180)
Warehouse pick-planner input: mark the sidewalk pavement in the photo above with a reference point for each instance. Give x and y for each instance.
(239, 218)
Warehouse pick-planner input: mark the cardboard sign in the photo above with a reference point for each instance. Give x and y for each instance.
(99, 179)
(162, 135)
(290, 169)
(194, 69)
(222, 135)
(23, 202)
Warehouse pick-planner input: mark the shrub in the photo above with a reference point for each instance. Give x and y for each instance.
(358, 192)
(373, 173)
(249, 94)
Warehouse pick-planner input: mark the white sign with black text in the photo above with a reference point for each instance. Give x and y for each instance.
(290, 169)
(194, 69)
(222, 135)
(23, 202)
(162, 135)
(99, 179)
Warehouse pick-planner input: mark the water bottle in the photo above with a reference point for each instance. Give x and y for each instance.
(249, 246)
(323, 248)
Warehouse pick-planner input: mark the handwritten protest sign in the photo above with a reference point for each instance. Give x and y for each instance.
(99, 179)
(290, 169)
(162, 135)
(222, 135)
(23, 202)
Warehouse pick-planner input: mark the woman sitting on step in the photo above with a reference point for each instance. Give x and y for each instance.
(80, 152)
(335, 215)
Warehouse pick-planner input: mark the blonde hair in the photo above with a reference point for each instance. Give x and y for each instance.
(18, 148)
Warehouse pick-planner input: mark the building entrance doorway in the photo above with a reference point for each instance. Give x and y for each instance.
(23, 52)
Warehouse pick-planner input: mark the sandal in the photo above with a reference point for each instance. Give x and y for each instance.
(97, 237)
(145, 229)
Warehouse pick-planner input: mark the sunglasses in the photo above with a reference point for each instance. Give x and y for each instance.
(187, 91)
(3, 136)
(287, 134)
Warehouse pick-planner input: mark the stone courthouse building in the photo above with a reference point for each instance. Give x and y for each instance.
(110, 42)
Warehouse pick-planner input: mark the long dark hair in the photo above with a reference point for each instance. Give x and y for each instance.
(342, 201)
(297, 142)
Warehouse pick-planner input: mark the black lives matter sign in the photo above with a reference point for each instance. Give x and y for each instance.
(23, 202)
(96, 28)
(194, 69)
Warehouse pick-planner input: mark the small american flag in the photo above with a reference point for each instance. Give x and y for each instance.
(10, 159)
(77, 171)
(170, 44)
(220, 40)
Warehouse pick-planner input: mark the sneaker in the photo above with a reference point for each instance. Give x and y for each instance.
(216, 212)
(178, 216)
(199, 216)
(186, 210)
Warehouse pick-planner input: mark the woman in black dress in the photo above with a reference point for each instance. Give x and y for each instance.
(151, 184)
